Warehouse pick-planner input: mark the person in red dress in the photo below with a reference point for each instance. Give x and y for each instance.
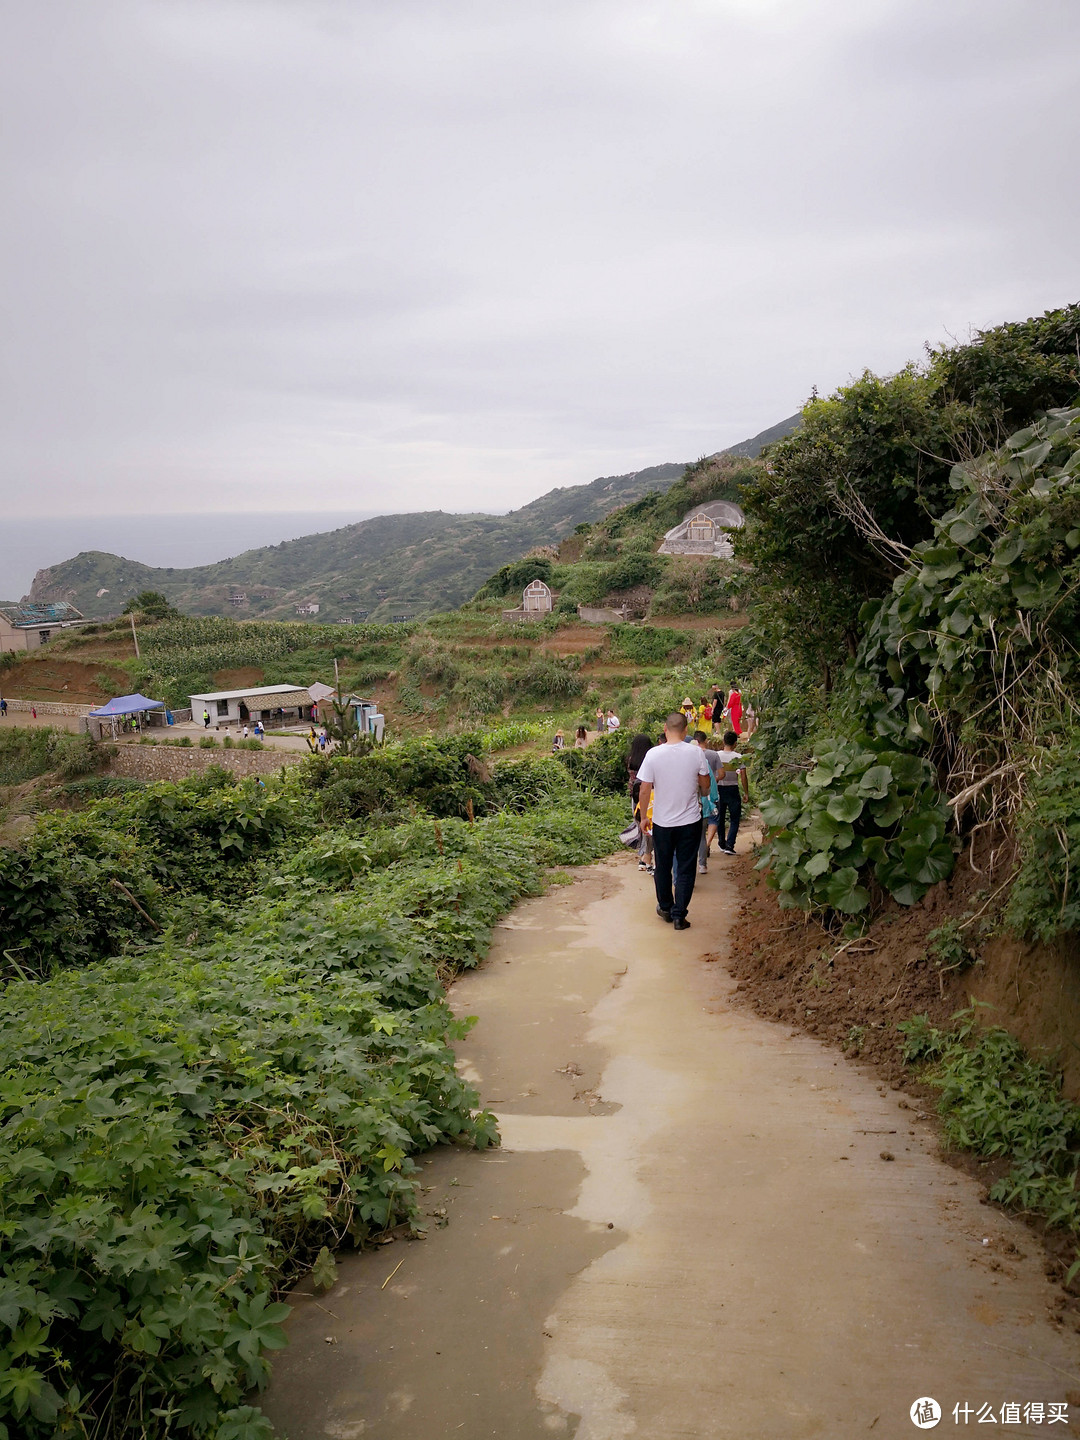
(733, 710)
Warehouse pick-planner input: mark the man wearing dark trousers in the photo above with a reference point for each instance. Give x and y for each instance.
(675, 776)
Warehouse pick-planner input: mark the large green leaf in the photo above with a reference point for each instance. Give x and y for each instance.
(922, 827)
(823, 830)
(875, 783)
(844, 893)
(821, 775)
(846, 806)
(928, 864)
(778, 812)
(1034, 590)
(1008, 550)
(886, 812)
(908, 770)
(908, 892)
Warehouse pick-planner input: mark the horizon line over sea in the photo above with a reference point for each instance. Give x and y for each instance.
(32, 543)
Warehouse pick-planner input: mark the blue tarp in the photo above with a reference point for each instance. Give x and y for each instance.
(127, 705)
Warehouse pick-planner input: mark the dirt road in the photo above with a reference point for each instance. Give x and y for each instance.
(690, 1232)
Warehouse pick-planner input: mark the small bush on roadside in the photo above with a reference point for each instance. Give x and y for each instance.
(863, 811)
(1045, 899)
(998, 1101)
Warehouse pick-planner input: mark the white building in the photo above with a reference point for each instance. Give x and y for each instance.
(309, 607)
(259, 702)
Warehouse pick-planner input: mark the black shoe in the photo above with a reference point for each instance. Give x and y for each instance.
(664, 914)
(681, 924)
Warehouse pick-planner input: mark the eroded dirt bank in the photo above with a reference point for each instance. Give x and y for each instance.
(690, 1230)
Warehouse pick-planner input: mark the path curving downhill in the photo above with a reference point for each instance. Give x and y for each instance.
(689, 1233)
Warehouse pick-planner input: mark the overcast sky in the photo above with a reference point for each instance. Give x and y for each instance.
(391, 255)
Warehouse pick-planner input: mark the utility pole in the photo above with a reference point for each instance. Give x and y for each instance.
(134, 636)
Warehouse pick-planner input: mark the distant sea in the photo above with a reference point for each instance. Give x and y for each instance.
(29, 545)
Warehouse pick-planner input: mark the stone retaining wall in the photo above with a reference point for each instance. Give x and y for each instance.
(46, 707)
(174, 762)
(601, 614)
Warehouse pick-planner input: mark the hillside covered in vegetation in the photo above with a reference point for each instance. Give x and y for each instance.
(240, 984)
(413, 564)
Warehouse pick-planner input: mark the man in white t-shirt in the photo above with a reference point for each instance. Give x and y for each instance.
(612, 721)
(675, 776)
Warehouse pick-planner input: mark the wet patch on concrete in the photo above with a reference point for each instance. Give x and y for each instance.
(453, 1345)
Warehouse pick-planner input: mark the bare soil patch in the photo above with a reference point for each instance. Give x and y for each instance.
(574, 642)
(237, 679)
(730, 620)
(56, 679)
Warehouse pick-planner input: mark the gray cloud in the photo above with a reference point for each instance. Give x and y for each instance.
(286, 254)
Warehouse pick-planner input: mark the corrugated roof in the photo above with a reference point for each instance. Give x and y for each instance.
(289, 700)
(32, 614)
(256, 691)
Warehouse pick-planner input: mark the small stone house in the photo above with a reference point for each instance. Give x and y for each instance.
(272, 704)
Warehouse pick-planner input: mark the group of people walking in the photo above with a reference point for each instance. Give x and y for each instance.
(686, 795)
(607, 722)
(716, 715)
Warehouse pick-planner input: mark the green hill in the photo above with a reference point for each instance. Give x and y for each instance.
(413, 565)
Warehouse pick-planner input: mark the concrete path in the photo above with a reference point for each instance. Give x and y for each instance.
(690, 1232)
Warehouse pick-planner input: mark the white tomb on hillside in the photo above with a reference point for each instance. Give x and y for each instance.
(536, 598)
(703, 531)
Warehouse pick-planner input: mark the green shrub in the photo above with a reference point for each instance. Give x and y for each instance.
(998, 1101)
(482, 692)
(948, 947)
(695, 585)
(85, 886)
(189, 1129)
(98, 787)
(26, 753)
(602, 765)
(634, 568)
(514, 577)
(550, 679)
(523, 784)
(863, 810)
(1044, 902)
(982, 621)
(646, 644)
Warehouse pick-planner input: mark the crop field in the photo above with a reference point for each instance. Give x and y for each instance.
(224, 1041)
(451, 671)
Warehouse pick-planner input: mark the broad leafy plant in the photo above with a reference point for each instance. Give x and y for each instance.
(187, 1128)
(864, 812)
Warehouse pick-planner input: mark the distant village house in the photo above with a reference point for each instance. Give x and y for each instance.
(309, 607)
(270, 704)
(28, 627)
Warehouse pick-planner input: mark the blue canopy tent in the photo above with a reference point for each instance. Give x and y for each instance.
(123, 707)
